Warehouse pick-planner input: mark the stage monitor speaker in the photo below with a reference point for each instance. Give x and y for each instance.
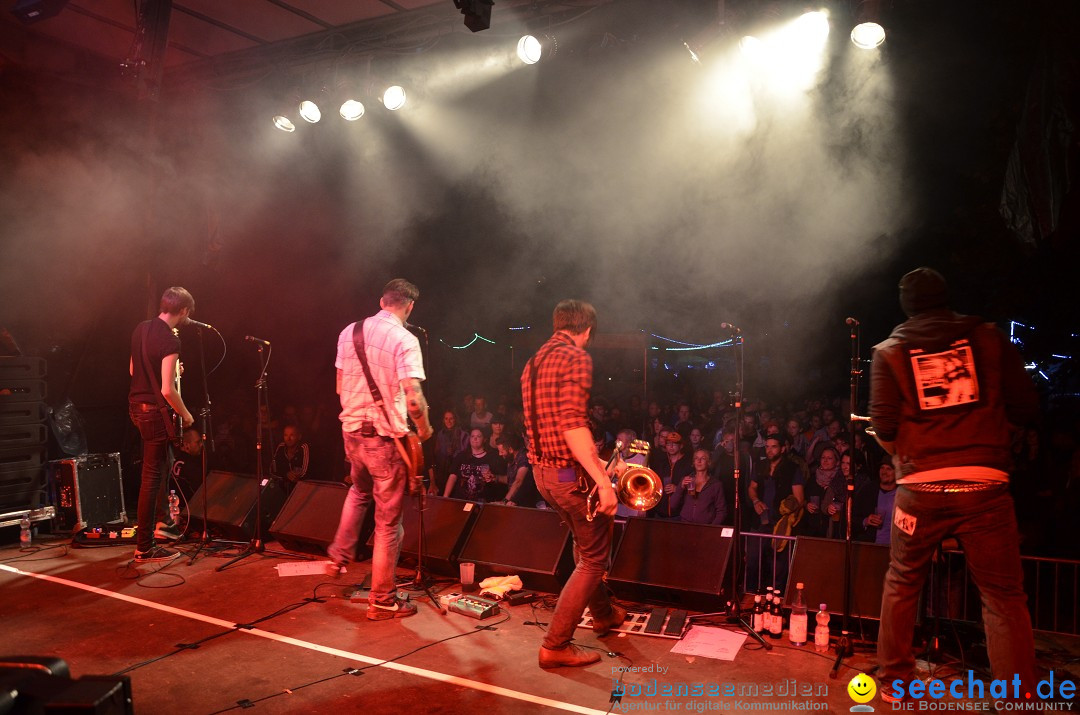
(531, 543)
(231, 501)
(310, 516)
(819, 565)
(446, 524)
(672, 563)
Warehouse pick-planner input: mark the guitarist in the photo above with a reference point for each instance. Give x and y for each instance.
(378, 443)
(154, 396)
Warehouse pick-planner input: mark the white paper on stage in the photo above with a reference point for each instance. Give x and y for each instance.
(707, 642)
(302, 568)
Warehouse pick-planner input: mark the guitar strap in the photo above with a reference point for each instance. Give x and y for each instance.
(163, 407)
(376, 395)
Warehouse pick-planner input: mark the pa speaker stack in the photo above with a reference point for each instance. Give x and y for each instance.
(23, 435)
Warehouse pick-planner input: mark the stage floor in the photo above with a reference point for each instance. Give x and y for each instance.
(261, 639)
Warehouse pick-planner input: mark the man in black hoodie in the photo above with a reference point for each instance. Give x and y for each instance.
(946, 391)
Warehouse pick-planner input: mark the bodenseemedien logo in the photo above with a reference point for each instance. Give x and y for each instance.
(862, 690)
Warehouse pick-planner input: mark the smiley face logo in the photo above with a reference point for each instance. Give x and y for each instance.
(862, 688)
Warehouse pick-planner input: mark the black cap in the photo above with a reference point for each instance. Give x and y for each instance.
(923, 289)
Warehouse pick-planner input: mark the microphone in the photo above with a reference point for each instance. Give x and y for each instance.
(197, 324)
(851, 321)
(729, 326)
(410, 326)
(260, 341)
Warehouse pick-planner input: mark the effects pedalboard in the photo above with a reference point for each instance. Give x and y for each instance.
(476, 607)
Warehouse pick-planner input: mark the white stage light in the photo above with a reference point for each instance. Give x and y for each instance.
(868, 35)
(813, 27)
(529, 50)
(394, 97)
(351, 110)
(309, 111)
(284, 124)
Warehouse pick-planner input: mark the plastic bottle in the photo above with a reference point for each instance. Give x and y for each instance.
(821, 633)
(797, 625)
(25, 535)
(174, 507)
(758, 622)
(776, 627)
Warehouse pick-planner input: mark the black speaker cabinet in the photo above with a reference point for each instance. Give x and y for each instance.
(446, 524)
(672, 563)
(87, 491)
(231, 501)
(310, 516)
(819, 565)
(531, 543)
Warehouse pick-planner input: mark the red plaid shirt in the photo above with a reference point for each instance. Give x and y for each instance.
(562, 394)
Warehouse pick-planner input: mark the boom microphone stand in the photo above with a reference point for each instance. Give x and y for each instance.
(735, 610)
(256, 545)
(844, 646)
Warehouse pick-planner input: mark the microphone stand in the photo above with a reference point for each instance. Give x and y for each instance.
(420, 581)
(256, 545)
(206, 426)
(735, 608)
(844, 646)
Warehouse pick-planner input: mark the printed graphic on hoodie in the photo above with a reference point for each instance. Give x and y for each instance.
(945, 379)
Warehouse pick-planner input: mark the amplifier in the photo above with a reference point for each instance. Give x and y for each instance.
(87, 491)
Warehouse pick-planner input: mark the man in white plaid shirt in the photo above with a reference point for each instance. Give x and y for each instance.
(379, 472)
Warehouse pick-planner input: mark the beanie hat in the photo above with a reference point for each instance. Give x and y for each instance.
(921, 290)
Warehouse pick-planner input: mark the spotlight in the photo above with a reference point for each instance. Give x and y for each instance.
(351, 110)
(813, 27)
(309, 111)
(284, 124)
(868, 35)
(477, 13)
(868, 32)
(394, 97)
(751, 47)
(529, 50)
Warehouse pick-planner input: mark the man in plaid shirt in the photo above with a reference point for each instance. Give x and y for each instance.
(555, 391)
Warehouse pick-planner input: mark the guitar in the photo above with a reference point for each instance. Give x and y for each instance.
(174, 424)
(413, 453)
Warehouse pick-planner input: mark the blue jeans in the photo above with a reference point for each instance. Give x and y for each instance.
(592, 549)
(379, 473)
(155, 452)
(985, 525)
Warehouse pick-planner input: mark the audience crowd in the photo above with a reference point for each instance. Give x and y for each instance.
(794, 463)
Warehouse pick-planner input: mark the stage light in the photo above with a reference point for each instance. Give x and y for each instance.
(351, 110)
(529, 50)
(813, 27)
(868, 32)
(868, 35)
(477, 13)
(309, 111)
(751, 47)
(394, 97)
(284, 124)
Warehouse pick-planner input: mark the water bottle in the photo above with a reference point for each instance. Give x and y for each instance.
(25, 535)
(776, 626)
(821, 633)
(758, 623)
(798, 624)
(174, 507)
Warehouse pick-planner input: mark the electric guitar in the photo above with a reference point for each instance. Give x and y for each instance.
(174, 424)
